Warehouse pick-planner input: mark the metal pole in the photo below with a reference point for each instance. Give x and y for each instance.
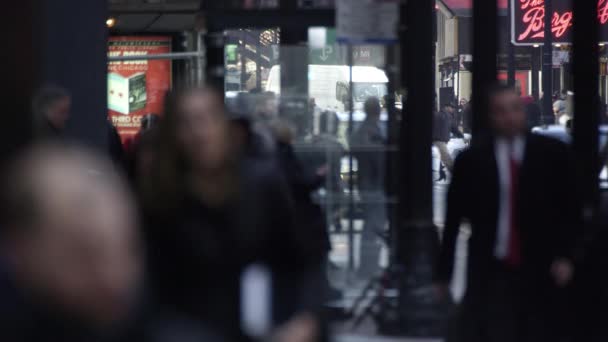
(258, 66)
(392, 164)
(586, 103)
(485, 35)
(171, 56)
(215, 59)
(535, 60)
(242, 48)
(201, 61)
(25, 22)
(510, 53)
(547, 112)
(417, 240)
(351, 171)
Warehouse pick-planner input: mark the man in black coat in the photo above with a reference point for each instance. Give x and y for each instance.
(517, 192)
(368, 144)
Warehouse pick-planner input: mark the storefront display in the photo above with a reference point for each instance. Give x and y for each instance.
(136, 87)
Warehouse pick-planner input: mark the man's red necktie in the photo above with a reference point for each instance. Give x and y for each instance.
(514, 252)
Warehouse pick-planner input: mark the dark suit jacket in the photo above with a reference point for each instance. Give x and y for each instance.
(197, 254)
(547, 205)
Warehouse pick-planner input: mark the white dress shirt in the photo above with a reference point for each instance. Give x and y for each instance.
(505, 149)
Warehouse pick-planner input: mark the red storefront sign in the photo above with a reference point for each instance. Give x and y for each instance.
(138, 87)
(528, 18)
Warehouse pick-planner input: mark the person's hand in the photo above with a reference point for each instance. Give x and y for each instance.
(441, 291)
(302, 328)
(562, 271)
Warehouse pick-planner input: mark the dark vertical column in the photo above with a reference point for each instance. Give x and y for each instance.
(20, 72)
(417, 240)
(547, 110)
(258, 62)
(586, 102)
(485, 35)
(510, 52)
(294, 69)
(243, 48)
(214, 42)
(534, 63)
(75, 56)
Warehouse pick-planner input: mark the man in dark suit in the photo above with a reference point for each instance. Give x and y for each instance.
(518, 194)
(367, 145)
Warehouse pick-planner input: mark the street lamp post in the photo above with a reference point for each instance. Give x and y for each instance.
(547, 113)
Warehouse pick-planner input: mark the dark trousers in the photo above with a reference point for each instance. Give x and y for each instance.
(503, 309)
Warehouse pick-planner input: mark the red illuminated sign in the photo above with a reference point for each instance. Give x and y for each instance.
(528, 18)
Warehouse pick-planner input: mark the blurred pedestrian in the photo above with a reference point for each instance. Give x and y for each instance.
(211, 215)
(51, 108)
(444, 126)
(330, 151)
(250, 115)
(248, 140)
(462, 106)
(303, 182)
(69, 249)
(518, 193)
(368, 144)
(559, 107)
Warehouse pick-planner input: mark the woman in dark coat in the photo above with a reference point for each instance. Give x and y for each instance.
(210, 215)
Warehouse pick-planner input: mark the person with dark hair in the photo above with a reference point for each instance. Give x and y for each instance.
(211, 215)
(51, 110)
(367, 145)
(70, 261)
(444, 126)
(303, 181)
(330, 152)
(560, 105)
(518, 192)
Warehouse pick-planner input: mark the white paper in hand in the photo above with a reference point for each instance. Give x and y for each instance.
(256, 301)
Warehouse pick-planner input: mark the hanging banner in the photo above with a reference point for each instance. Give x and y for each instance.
(528, 21)
(136, 88)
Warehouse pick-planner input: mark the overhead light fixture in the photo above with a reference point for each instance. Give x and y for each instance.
(558, 45)
(536, 45)
(110, 22)
(602, 44)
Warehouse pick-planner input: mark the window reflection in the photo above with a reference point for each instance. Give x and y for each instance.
(313, 98)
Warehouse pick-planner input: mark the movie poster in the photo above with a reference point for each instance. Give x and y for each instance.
(136, 88)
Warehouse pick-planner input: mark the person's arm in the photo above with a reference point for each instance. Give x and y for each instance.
(455, 212)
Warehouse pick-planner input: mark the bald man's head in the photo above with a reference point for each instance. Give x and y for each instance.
(69, 231)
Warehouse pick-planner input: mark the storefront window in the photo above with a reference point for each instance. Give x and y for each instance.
(311, 92)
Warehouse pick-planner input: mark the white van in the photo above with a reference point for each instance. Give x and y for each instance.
(329, 85)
